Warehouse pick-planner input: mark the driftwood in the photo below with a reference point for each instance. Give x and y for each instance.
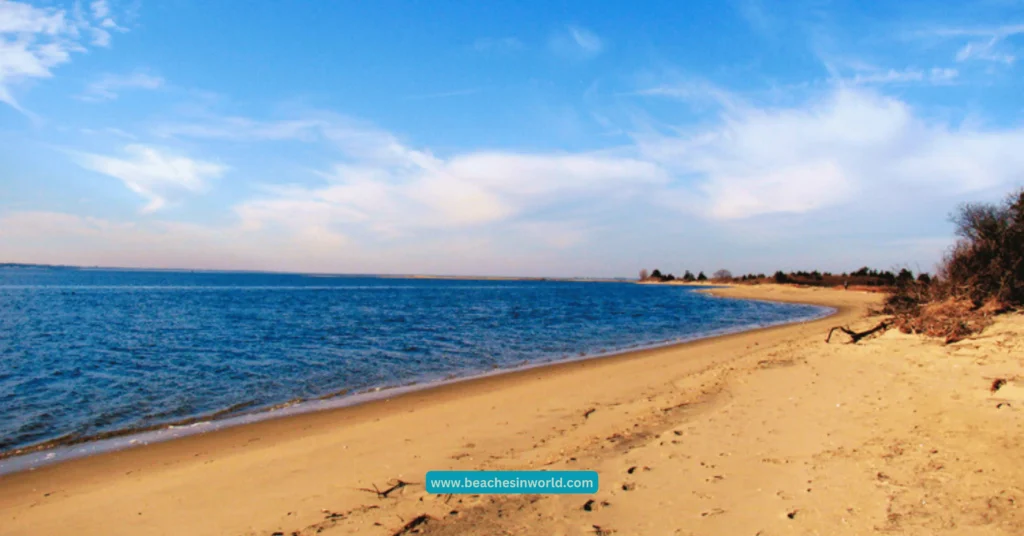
(383, 494)
(858, 335)
(410, 527)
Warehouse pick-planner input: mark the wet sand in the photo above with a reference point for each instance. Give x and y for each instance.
(771, 432)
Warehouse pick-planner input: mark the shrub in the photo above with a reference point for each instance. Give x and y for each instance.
(987, 261)
(982, 275)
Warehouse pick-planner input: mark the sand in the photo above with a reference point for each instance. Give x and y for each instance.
(766, 432)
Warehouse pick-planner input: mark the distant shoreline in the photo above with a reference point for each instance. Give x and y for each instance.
(18, 265)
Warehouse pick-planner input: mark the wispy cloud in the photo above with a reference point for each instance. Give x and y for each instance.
(586, 40)
(935, 75)
(693, 92)
(984, 50)
(576, 42)
(153, 173)
(986, 43)
(108, 87)
(34, 40)
(234, 128)
(856, 71)
(1000, 31)
(103, 23)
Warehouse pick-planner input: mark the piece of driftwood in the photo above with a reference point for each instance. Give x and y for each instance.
(383, 494)
(410, 527)
(858, 335)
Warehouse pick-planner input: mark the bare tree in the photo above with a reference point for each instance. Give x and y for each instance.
(643, 274)
(722, 274)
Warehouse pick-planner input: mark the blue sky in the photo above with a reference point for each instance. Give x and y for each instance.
(546, 138)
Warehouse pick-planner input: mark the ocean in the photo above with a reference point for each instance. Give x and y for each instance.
(88, 354)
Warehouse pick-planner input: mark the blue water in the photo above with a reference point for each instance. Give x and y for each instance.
(91, 352)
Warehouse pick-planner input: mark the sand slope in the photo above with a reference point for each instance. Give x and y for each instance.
(771, 432)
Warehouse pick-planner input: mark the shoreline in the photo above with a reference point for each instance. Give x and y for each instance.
(51, 452)
(281, 475)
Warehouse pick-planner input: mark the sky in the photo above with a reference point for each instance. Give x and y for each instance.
(477, 138)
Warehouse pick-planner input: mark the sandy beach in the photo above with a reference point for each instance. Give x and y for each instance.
(760, 433)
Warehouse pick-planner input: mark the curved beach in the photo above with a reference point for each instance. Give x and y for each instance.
(770, 430)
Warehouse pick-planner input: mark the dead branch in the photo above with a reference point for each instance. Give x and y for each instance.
(384, 494)
(858, 335)
(411, 526)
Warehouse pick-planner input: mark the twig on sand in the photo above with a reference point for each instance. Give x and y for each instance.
(858, 335)
(384, 494)
(410, 526)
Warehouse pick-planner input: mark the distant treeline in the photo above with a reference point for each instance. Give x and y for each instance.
(861, 277)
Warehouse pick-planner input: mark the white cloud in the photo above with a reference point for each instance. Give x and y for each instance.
(108, 86)
(243, 129)
(586, 40)
(753, 161)
(21, 18)
(100, 9)
(984, 50)
(1000, 32)
(694, 92)
(794, 189)
(154, 174)
(576, 42)
(940, 74)
(986, 44)
(829, 153)
(411, 190)
(382, 186)
(34, 40)
(936, 75)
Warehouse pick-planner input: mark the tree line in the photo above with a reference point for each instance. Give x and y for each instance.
(863, 276)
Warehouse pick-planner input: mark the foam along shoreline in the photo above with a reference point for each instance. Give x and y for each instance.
(34, 457)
